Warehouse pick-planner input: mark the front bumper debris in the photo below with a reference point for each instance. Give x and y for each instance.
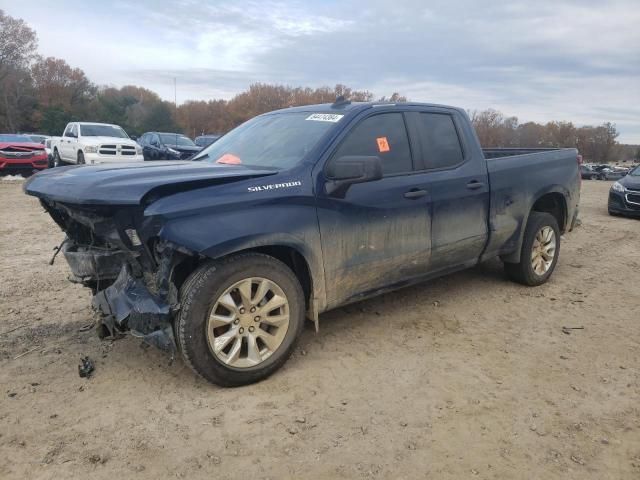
(89, 264)
(129, 305)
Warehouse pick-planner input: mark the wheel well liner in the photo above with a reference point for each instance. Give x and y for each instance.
(555, 204)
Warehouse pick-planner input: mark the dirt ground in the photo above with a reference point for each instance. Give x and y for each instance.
(469, 376)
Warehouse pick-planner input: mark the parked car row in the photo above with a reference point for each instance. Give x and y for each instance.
(589, 171)
(92, 143)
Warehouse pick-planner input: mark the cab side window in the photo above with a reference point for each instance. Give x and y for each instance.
(440, 143)
(383, 135)
(67, 131)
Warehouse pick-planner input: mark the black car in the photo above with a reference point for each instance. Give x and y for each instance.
(206, 140)
(167, 146)
(624, 196)
(587, 172)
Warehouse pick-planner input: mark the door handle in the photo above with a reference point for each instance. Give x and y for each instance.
(415, 193)
(474, 185)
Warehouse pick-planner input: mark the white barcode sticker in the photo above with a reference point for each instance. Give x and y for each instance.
(325, 117)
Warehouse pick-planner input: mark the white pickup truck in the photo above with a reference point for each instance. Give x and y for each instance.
(89, 143)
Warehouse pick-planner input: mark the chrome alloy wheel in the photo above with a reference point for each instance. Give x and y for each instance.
(248, 322)
(543, 250)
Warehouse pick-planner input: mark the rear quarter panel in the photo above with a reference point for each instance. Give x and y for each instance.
(517, 182)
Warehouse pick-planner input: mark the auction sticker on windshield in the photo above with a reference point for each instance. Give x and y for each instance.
(325, 117)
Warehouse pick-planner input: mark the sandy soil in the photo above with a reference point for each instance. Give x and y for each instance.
(469, 376)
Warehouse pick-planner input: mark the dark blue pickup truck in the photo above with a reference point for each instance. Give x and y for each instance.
(296, 212)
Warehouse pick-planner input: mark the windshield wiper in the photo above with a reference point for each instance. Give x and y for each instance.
(201, 157)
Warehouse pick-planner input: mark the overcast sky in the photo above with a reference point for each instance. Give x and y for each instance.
(538, 60)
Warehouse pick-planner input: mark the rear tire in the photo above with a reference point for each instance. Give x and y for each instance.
(541, 237)
(209, 350)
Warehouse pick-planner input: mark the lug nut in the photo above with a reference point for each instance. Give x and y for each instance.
(257, 319)
(236, 321)
(253, 309)
(251, 329)
(242, 310)
(241, 330)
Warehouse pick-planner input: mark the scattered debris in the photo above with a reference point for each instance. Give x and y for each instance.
(301, 420)
(567, 330)
(13, 329)
(12, 394)
(12, 178)
(292, 430)
(564, 357)
(577, 460)
(86, 367)
(28, 352)
(86, 328)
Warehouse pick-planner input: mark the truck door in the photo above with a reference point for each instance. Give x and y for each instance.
(64, 147)
(379, 234)
(459, 187)
(72, 146)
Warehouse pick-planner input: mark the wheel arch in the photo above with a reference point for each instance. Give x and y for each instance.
(295, 255)
(553, 201)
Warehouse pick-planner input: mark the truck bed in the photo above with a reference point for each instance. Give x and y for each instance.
(490, 153)
(519, 176)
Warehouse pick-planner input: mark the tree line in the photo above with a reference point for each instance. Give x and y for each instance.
(596, 144)
(41, 95)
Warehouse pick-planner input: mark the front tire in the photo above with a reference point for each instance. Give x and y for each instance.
(240, 318)
(57, 161)
(81, 158)
(540, 251)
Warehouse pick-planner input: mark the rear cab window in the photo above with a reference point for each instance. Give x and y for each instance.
(439, 140)
(383, 135)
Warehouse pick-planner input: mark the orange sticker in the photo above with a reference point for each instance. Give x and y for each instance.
(383, 144)
(229, 159)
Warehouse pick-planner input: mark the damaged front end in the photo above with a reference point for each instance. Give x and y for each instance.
(115, 252)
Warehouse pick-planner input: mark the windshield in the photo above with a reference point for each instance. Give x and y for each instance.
(16, 138)
(279, 140)
(176, 139)
(102, 131)
(38, 138)
(635, 172)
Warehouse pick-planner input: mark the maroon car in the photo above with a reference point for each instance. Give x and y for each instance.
(20, 154)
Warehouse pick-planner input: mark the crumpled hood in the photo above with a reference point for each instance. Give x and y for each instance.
(128, 183)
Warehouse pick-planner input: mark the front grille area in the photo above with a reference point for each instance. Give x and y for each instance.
(128, 150)
(633, 199)
(117, 150)
(16, 155)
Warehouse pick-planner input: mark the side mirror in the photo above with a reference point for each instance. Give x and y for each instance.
(345, 171)
(133, 137)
